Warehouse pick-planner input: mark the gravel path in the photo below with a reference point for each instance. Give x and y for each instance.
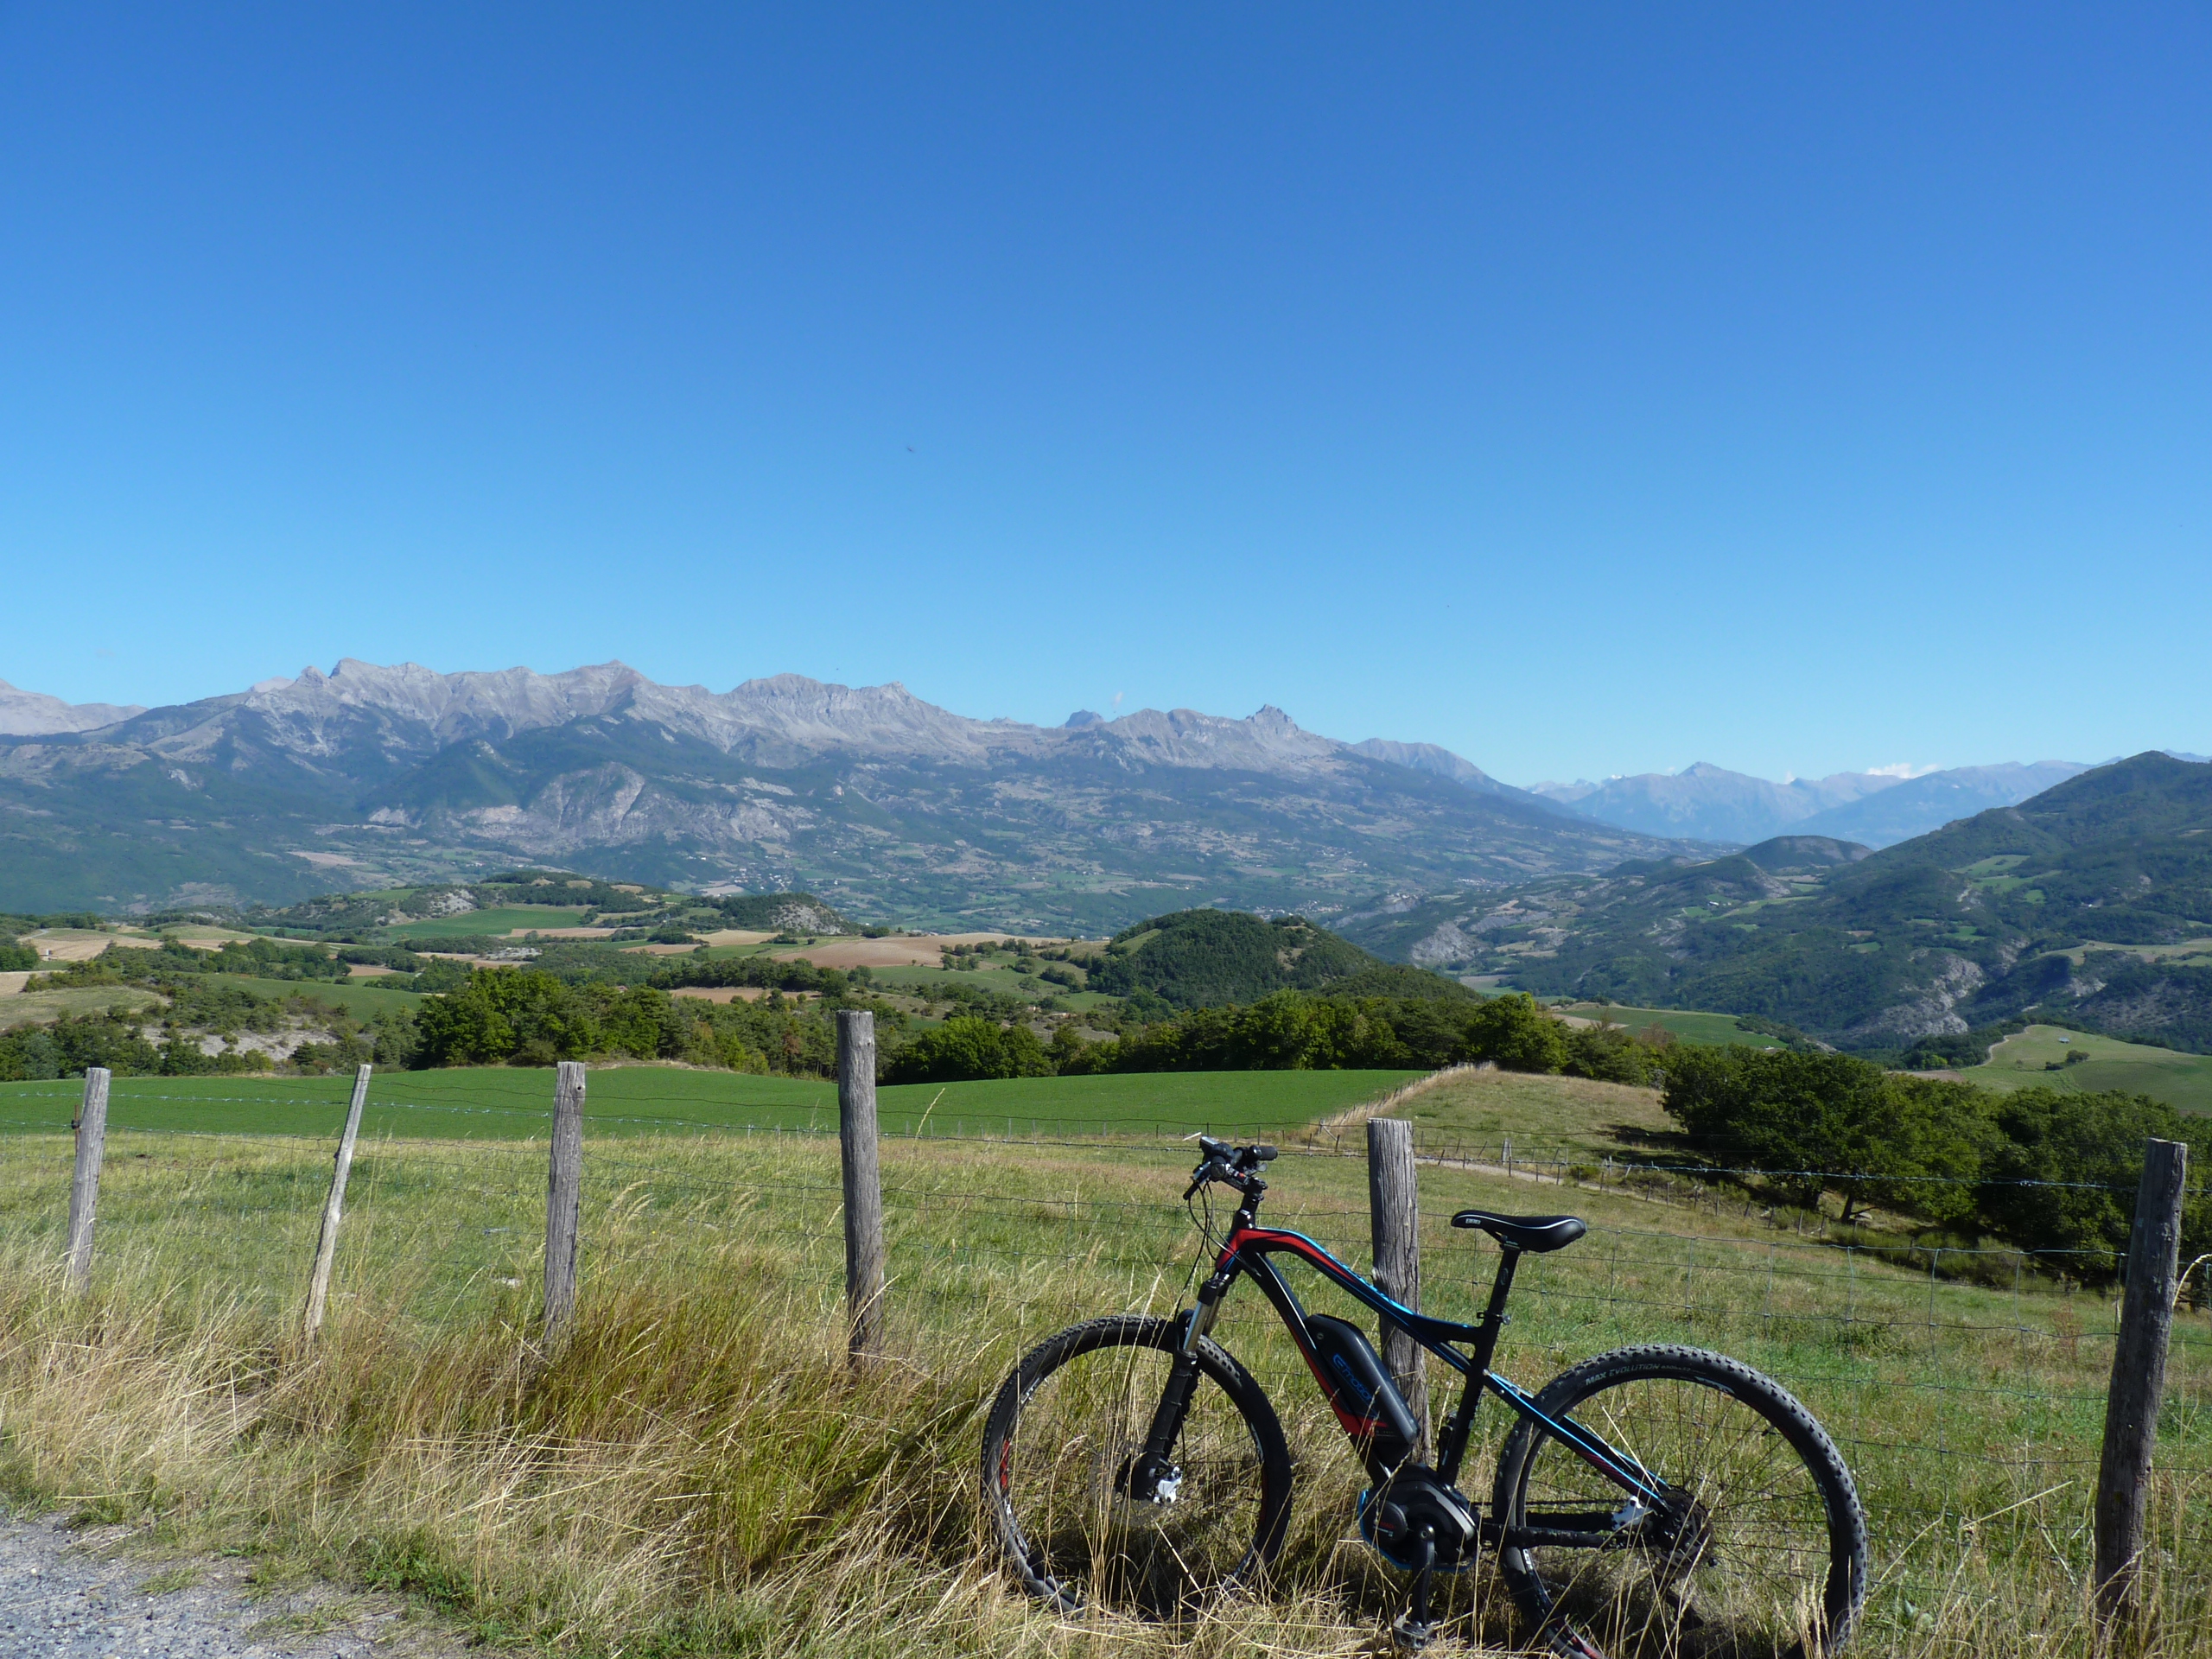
(89, 1595)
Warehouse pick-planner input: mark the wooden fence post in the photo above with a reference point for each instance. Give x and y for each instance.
(1394, 1212)
(85, 1183)
(334, 1208)
(2139, 1373)
(563, 1195)
(863, 1183)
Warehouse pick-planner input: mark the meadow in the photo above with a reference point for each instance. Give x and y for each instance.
(493, 921)
(697, 1470)
(43, 1007)
(363, 999)
(2037, 1057)
(516, 1103)
(1687, 1025)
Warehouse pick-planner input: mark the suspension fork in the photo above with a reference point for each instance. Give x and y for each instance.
(1174, 1406)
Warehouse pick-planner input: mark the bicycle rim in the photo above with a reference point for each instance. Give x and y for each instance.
(1761, 1555)
(1073, 1531)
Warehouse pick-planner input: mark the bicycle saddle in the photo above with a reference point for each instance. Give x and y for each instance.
(1537, 1233)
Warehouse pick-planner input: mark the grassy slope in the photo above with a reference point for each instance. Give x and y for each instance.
(1543, 1112)
(497, 919)
(1690, 1026)
(43, 1008)
(358, 997)
(2020, 1061)
(684, 1478)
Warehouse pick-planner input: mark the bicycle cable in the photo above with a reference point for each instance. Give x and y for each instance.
(1202, 1220)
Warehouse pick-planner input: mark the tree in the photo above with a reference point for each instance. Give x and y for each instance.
(1514, 1034)
(966, 1047)
(2064, 1178)
(1816, 1121)
(502, 1014)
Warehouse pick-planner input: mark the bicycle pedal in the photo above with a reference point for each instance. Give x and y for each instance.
(1410, 1635)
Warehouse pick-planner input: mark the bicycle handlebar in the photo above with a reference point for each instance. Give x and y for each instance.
(1237, 1165)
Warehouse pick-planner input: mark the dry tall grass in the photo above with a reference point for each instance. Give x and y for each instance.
(698, 1470)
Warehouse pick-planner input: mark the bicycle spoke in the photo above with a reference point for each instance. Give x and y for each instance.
(1071, 1459)
(1739, 1567)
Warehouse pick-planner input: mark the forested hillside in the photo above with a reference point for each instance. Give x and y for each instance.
(2092, 902)
(1209, 958)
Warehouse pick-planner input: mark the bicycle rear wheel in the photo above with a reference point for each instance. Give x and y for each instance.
(1063, 1434)
(1762, 1552)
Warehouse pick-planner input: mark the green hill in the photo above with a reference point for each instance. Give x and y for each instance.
(1209, 958)
(2045, 1057)
(2085, 906)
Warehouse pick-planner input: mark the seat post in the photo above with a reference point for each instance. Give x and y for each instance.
(1453, 1445)
(1493, 1319)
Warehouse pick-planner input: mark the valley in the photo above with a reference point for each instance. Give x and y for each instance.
(2087, 902)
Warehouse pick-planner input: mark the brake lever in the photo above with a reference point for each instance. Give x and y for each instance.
(1213, 1170)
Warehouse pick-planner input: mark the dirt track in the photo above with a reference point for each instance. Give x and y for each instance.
(89, 1595)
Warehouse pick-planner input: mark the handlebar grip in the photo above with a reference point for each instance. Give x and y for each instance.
(1266, 1155)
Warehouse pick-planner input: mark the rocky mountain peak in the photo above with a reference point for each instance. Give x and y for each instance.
(33, 714)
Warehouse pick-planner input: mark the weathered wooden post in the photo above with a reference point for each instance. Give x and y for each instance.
(85, 1183)
(864, 1182)
(333, 1209)
(563, 1196)
(2138, 1374)
(1394, 1212)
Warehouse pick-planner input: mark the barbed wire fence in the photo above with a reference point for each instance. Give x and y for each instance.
(1964, 1381)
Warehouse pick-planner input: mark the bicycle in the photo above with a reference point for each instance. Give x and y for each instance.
(1653, 1499)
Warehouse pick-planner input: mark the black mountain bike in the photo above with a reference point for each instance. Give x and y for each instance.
(1650, 1500)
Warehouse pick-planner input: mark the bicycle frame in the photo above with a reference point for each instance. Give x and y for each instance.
(1246, 1253)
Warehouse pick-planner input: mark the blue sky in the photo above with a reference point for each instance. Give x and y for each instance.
(1587, 388)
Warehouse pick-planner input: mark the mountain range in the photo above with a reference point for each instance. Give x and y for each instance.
(2090, 902)
(33, 714)
(1876, 809)
(888, 806)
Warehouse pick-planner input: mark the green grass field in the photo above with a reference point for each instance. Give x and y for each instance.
(1569, 1115)
(499, 1103)
(358, 997)
(1713, 1029)
(497, 919)
(2022, 1061)
(43, 1008)
(698, 1471)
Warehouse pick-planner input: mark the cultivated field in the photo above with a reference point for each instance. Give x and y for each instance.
(493, 921)
(697, 1471)
(39, 1007)
(506, 1103)
(2036, 1057)
(1689, 1026)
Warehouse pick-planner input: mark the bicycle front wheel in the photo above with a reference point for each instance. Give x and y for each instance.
(1761, 1551)
(1063, 1436)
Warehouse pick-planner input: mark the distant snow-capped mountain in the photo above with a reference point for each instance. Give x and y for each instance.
(1878, 808)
